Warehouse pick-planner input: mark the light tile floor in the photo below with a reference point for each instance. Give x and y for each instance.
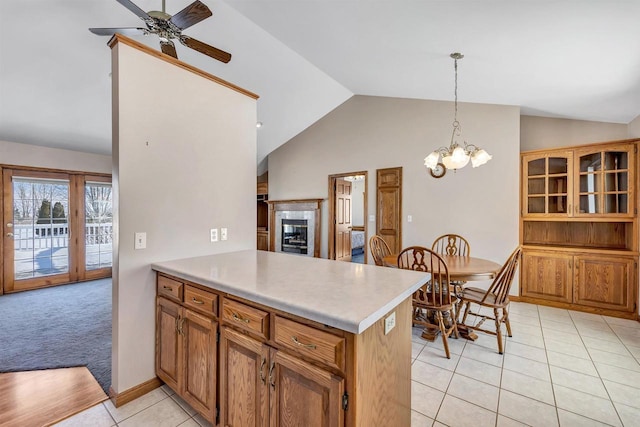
(560, 368)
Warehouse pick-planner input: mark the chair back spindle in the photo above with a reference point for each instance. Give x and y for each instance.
(451, 244)
(502, 283)
(379, 249)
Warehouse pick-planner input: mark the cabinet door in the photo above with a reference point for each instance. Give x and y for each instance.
(302, 394)
(606, 282)
(244, 366)
(168, 349)
(605, 180)
(547, 275)
(547, 184)
(200, 354)
(263, 240)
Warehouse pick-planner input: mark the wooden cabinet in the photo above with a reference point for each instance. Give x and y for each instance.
(579, 228)
(263, 240)
(186, 348)
(277, 369)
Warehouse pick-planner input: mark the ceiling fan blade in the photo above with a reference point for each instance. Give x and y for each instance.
(168, 48)
(201, 47)
(124, 31)
(191, 15)
(135, 9)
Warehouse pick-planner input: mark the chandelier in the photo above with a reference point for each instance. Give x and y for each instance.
(456, 156)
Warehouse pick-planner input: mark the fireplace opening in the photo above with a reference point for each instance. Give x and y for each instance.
(294, 236)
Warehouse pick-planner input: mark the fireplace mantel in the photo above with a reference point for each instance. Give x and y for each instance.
(309, 205)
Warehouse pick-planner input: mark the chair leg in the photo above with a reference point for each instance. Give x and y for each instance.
(498, 329)
(467, 305)
(443, 332)
(455, 325)
(505, 319)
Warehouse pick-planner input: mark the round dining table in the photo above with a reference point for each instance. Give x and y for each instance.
(461, 268)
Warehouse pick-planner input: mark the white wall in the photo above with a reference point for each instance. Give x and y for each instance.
(13, 153)
(545, 132)
(634, 128)
(184, 151)
(369, 133)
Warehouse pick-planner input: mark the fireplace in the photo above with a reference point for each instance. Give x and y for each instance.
(294, 226)
(294, 236)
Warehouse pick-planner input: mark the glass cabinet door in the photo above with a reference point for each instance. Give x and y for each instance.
(604, 179)
(547, 184)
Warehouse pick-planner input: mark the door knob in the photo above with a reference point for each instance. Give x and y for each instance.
(9, 224)
(9, 234)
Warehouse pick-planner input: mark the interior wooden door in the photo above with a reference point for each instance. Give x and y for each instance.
(389, 207)
(343, 220)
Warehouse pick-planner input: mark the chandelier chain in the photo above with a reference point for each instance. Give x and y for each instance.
(455, 92)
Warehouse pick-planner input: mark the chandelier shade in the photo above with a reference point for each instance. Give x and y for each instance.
(457, 156)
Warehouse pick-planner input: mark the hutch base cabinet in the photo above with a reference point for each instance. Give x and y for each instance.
(579, 228)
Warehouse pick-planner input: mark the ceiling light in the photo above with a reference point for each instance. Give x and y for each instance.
(456, 156)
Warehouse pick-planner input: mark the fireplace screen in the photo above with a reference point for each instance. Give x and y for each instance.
(294, 236)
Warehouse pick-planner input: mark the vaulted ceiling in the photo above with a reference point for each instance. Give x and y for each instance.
(570, 59)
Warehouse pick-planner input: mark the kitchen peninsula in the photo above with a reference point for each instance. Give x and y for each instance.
(265, 338)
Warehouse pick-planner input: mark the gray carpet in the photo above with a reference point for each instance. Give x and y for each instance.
(58, 327)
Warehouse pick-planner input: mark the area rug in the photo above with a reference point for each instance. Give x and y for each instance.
(58, 327)
(41, 398)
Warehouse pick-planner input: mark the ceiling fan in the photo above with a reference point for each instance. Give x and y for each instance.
(169, 27)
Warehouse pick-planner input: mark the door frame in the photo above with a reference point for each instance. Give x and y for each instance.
(77, 180)
(332, 213)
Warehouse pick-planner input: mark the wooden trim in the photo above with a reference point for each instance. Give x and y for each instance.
(576, 307)
(605, 145)
(332, 213)
(38, 169)
(119, 399)
(119, 38)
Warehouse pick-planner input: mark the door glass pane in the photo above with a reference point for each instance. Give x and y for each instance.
(557, 165)
(41, 227)
(616, 181)
(614, 160)
(590, 183)
(558, 185)
(589, 203)
(535, 205)
(536, 167)
(557, 204)
(536, 185)
(590, 162)
(615, 203)
(98, 225)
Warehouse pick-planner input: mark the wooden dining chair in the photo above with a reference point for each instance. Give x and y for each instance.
(435, 295)
(379, 249)
(496, 297)
(453, 244)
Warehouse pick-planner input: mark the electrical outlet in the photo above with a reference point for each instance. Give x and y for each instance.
(140, 241)
(223, 234)
(409, 218)
(389, 323)
(372, 218)
(214, 234)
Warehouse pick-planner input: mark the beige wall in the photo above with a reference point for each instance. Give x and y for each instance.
(184, 152)
(12, 153)
(544, 132)
(634, 128)
(368, 133)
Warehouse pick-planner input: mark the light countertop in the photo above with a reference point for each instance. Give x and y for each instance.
(343, 295)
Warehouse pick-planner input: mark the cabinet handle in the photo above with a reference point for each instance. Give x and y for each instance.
(239, 319)
(178, 324)
(262, 375)
(167, 287)
(298, 343)
(196, 301)
(180, 330)
(272, 380)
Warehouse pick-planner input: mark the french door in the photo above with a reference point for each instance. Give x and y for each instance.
(57, 228)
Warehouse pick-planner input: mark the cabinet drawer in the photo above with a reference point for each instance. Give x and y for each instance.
(318, 345)
(169, 288)
(198, 299)
(246, 317)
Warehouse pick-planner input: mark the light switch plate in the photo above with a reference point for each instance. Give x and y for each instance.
(409, 218)
(389, 323)
(223, 234)
(140, 241)
(372, 218)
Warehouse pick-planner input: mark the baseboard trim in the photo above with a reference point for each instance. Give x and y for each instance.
(119, 399)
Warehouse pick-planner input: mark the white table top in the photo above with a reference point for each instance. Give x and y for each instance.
(343, 295)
